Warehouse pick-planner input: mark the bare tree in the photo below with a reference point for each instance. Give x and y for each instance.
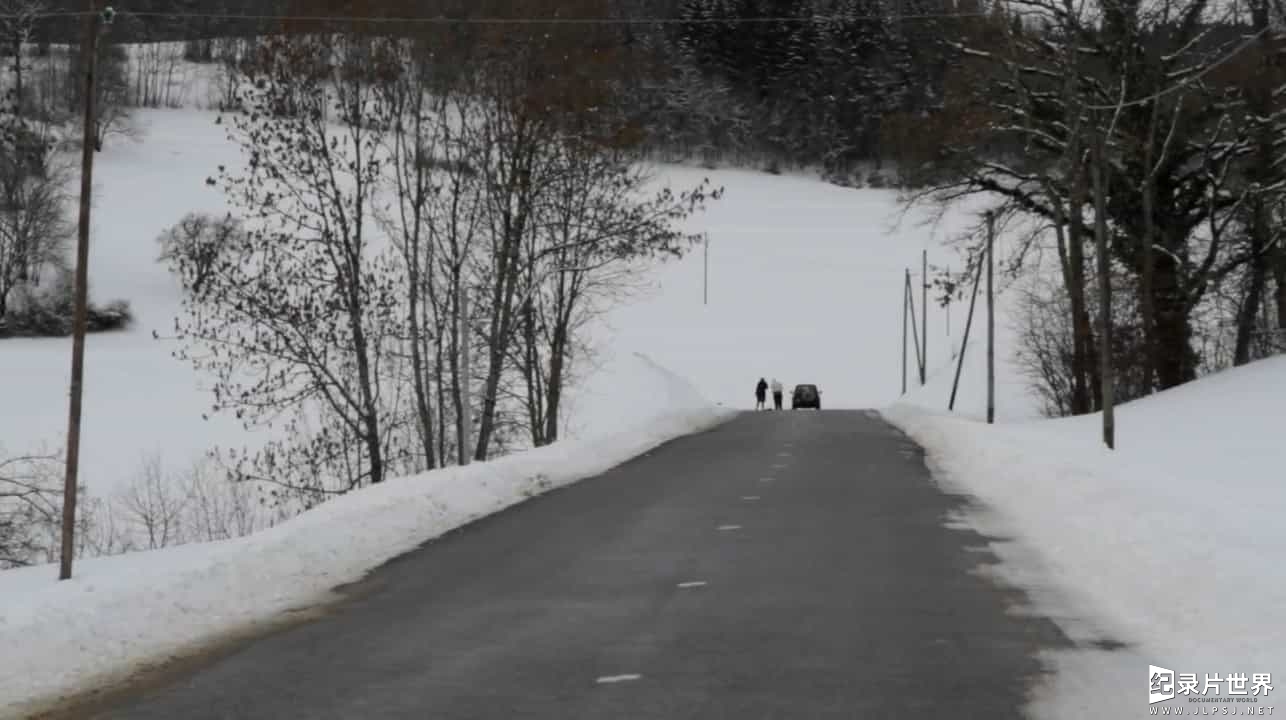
(33, 226)
(595, 222)
(17, 20)
(413, 144)
(30, 507)
(155, 506)
(217, 508)
(296, 327)
(157, 77)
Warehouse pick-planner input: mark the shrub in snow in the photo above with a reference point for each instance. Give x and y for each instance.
(193, 247)
(1045, 351)
(30, 505)
(46, 311)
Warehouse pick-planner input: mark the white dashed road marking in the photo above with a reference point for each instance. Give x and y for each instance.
(609, 679)
(693, 584)
(783, 454)
(726, 528)
(750, 498)
(765, 480)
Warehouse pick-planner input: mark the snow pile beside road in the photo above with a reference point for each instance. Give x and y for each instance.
(1170, 544)
(120, 612)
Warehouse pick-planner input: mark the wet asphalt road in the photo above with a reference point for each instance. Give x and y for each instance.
(824, 586)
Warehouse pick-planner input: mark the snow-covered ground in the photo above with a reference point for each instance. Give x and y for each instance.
(1169, 544)
(119, 612)
(789, 256)
(1163, 545)
(805, 284)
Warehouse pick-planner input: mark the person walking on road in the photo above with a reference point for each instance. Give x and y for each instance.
(776, 394)
(761, 394)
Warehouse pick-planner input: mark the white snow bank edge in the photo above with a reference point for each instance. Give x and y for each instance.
(128, 613)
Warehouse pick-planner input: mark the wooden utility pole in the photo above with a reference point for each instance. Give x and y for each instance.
(904, 324)
(991, 317)
(964, 344)
(924, 316)
(80, 310)
(1108, 381)
(909, 295)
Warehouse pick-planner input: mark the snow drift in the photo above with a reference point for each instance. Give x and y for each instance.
(120, 612)
(1168, 544)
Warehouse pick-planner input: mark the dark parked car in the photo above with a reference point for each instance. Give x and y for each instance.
(806, 396)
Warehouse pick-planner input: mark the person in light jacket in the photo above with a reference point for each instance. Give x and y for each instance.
(761, 394)
(776, 394)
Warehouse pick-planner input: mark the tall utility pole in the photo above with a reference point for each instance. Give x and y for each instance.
(1108, 380)
(991, 317)
(924, 316)
(466, 378)
(81, 302)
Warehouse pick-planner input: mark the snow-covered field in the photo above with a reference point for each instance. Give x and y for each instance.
(1169, 544)
(805, 285)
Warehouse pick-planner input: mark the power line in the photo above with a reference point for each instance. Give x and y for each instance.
(439, 20)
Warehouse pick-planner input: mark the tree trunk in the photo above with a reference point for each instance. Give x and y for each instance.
(505, 286)
(459, 335)
(1107, 376)
(17, 72)
(1176, 363)
(557, 364)
(1257, 276)
(531, 373)
(419, 372)
(1147, 314)
(370, 414)
(1279, 279)
(501, 318)
(439, 387)
(1082, 329)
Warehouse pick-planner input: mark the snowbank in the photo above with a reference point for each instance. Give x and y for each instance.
(1168, 544)
(122, 611)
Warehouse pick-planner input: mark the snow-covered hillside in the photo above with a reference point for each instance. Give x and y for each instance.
(1169, 544)
(805, 284)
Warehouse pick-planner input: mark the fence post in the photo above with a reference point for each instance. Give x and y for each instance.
(924, 316)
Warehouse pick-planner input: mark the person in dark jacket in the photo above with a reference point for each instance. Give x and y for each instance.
(761, 394)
